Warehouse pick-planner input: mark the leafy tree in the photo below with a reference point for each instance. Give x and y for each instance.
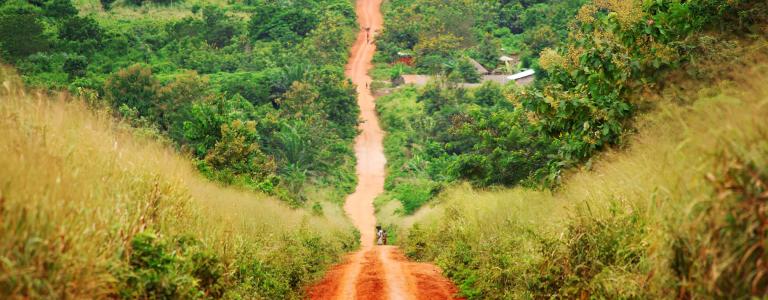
(237, 153)
(339, 100)
(540, 38)
(488, 52)
(22, 35)
(489, 94)
(134, 87)
(509, 16)
(174, 101)
(300, 102)
(80, 29)
(431, 53)
(219, 28)
(286, 24)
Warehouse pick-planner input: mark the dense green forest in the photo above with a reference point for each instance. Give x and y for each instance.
(589, 87)
(253, 90)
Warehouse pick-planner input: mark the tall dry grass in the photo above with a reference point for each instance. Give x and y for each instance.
(76, 187)
(660, 219)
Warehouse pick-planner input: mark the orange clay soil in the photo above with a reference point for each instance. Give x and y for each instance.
(374, 272)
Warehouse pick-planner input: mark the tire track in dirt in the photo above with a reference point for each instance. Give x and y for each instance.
(374, 272)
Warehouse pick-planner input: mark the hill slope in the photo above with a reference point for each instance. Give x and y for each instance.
(91, 208)
(679, 214)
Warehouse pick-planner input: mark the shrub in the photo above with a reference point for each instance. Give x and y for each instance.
(134, 87)
(413, 195)
(75, 66)
(237, 153)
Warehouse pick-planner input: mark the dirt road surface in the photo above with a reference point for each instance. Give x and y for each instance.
(374, 272)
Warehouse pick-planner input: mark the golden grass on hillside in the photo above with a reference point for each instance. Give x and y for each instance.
(77, 186)
(660, 181)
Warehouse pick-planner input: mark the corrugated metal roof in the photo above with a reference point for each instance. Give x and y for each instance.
(522, 74)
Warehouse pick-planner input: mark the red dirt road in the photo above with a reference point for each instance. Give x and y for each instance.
(374, 272)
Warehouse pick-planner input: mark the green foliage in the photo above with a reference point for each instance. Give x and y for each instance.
(413, 195)
(189, 76)
(488, 51)
(182, 267)
(80, 29)
(254, 87)
(75, 66)
(290, 22)
(437, 32)
(60, 9)
(237, 154)
(22, 36)
(174, 100)
(467, 72)
(156, 271)
(134, 87)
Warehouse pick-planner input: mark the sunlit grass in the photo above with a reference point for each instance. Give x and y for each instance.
(76, 186)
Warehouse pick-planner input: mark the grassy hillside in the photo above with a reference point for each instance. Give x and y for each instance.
(680, 213)
(92, 208)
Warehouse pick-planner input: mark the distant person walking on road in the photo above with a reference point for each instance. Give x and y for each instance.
(379, 235)
(384, 235)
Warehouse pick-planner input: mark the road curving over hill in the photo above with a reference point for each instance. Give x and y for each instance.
(374, 272)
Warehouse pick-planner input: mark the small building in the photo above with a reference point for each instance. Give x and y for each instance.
(523, 78)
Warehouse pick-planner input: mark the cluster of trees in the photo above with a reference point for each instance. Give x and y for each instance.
(582, 102)
(439, 33)
(255, 91)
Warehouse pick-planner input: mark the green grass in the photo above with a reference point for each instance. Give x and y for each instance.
(667, 217)
(92, 208)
